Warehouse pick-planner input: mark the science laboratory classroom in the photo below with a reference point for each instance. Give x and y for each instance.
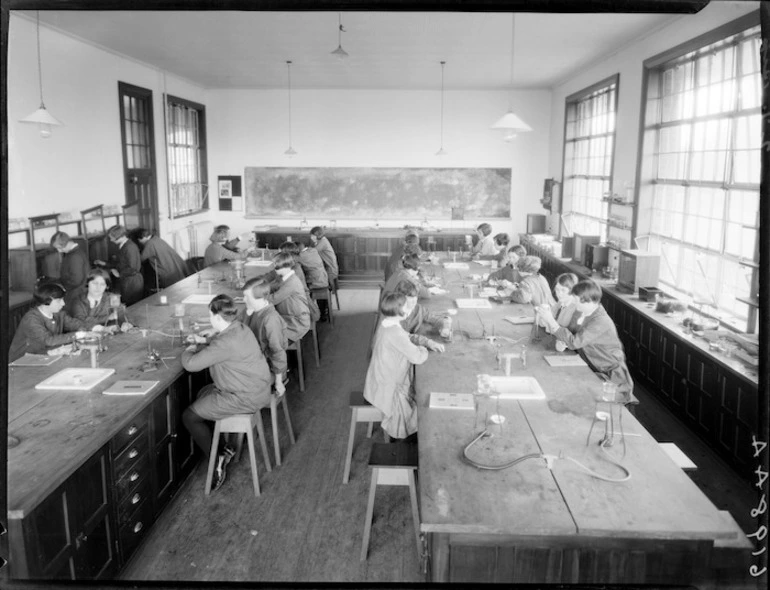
(379, 296)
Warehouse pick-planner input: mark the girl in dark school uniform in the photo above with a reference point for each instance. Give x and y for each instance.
(46, 328)
(596, 339)
(93, 307)
(128, 268)
(326, 252)
(74, 267)
(240, 374)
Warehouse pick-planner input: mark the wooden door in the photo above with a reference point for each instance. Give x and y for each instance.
(137, 137)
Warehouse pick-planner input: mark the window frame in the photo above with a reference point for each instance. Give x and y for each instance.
(646, 169)
(202, 147)
(572, 101)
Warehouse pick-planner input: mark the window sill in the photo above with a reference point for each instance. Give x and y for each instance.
(190, 213)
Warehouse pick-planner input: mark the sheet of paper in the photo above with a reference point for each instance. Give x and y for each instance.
(473, 303)
(457, 401)
(520, 319)
(564, 360)
(260, 263)
(456, 265)
(35, 360)
(130, 387)
(199, 298)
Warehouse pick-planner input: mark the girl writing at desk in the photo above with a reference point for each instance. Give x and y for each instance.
(596, 339)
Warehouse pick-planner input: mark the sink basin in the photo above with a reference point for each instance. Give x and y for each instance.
(517, 387)
(75, 379)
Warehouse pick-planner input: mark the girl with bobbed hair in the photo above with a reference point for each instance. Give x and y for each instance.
(596, 339)
(532, 288)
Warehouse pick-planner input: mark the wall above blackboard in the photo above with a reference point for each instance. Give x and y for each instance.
(379, 193)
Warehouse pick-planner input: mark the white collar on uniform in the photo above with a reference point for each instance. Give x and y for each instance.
(287, 275)
(390, 321)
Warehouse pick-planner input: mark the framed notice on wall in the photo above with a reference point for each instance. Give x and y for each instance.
(230, 193)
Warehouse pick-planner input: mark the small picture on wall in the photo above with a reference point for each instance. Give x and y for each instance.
(225, 189)
(230, 195)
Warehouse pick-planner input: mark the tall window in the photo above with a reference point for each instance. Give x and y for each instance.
(589, 139)
(186, 146)
(701, 167)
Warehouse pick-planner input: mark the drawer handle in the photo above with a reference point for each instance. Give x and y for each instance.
(135, 499)
(133, 453)
(132, 430)
(134, 476)
(138, 527)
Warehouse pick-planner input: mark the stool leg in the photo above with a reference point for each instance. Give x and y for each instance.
(331, 309)
(212, 457)
(263, 444)
(351, 437)
(274, 424)
(415, 510)
(238, 446)
(369, 430)
(369, 513)
(288, 418)
(337, 293)
(253, 461)
(300, 366)
(317, 350)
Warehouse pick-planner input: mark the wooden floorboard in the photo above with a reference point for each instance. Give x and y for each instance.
(306, 526)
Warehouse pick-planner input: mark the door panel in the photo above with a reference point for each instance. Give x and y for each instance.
(137, 133)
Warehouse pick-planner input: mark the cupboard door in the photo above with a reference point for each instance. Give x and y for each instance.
(162, 444)
(90, 508)
(48, 539)
(184, 392)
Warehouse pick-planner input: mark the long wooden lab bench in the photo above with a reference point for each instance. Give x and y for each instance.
(546, 521)
(89, 473)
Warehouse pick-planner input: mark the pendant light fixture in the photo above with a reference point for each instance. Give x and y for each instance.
(41, 117)
(340, 53)
(510, 124)
(291, 151)
(441, 151)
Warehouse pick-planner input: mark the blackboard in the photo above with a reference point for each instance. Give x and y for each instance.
(377, 192)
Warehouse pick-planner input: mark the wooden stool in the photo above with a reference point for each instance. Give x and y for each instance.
(324, 295)
(296, 346)
(275, 401)
(361, 411)
(240, 424)
(393, 464)
(677, 456)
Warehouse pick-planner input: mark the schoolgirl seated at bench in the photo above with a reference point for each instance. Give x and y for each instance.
(47, 328)
(389, 386)
(596, 339)
(508, 271)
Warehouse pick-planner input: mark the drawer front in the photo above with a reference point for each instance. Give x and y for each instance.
(133, 531)
(131, 455)
(132, 502)
(131, 432)
(132, 478)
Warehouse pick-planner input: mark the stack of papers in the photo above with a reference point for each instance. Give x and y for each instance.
(457, 265)
(262, 263)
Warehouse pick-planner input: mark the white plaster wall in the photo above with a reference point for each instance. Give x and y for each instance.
(81, 164)
(374, 128)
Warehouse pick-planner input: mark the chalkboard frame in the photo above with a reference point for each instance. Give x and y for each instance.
(379, 193)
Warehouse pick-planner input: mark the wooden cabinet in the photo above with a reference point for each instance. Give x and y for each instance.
(91, 525)
(71, 534)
